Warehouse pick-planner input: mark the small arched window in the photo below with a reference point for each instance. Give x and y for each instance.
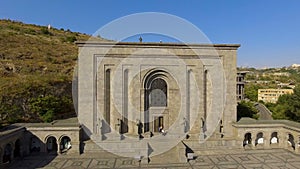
(158, 93)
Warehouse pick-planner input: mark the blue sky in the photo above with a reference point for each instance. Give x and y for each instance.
(268, 30)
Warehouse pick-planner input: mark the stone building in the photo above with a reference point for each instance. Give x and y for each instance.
(240, 88)
(143, 99)
(133, 89)
(272, 95)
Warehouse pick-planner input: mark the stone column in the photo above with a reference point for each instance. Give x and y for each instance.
(297, 146)
(253, 138)
(282, 140)
(267, 141)
(58, 147)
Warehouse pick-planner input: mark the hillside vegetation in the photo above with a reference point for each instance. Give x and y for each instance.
(36, 71)
(288, 105)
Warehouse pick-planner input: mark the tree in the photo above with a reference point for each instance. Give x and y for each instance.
(251, 91)
(287, 106)
(246, 109)
(293, 111)
(49, 107)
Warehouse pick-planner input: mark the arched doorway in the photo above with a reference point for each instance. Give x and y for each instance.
(259, 138)
(51, 144)
(247, 139)
(35, 144)
(156, 96)
(65, 144)
(7, 154)
(17, 150)
(274, 138)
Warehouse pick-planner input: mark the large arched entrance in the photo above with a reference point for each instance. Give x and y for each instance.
(155, 100)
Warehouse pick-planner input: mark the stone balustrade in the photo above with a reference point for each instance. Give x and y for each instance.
(267, 134)
(57, 138)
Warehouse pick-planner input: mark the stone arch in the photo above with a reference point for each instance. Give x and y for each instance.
(274, 138)
(247, 139)
(105, 122)
(51, 144)
(291, 141)
(17, 149)
(107, 96)
(64, 143)
(153, 73)
(124, 120)
(259, 138)
(205, 93)
(155, 84)
(7, 155)
(187, 118)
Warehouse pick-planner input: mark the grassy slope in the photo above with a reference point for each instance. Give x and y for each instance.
(35, 62)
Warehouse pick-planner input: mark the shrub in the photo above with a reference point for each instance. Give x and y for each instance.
(246, 109)
(49, 107)
(71, 39)
(45, 31)
(45, 106)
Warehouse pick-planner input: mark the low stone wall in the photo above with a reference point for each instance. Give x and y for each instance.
(59, 137)
(10, 138)
(267, 134)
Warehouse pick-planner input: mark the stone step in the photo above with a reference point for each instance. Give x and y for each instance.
(130, 146)
(90, 146)
(211, 144)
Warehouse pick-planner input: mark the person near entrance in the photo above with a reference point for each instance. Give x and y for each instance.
(161, 130)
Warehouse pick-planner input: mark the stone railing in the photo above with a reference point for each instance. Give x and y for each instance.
(22, 139)
(10, 139)
(267, 134)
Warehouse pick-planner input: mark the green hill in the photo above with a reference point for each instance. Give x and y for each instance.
(36, 71)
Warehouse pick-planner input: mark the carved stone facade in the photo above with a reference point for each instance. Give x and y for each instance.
(134, 89)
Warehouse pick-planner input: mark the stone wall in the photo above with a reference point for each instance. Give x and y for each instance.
(19, 140)
(267, 134)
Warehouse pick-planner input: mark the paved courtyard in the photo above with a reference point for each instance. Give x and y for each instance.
(267, 159)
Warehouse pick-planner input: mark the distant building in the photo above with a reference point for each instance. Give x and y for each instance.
(272, 95)
(240, 87)
(295, 65)
(282, 74)
(287, 85)
(263, 81)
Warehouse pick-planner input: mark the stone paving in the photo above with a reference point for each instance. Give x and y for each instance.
(265, 159)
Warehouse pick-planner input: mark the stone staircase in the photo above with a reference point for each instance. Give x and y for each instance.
(216, 141)
(132, 146)
(156, 146)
